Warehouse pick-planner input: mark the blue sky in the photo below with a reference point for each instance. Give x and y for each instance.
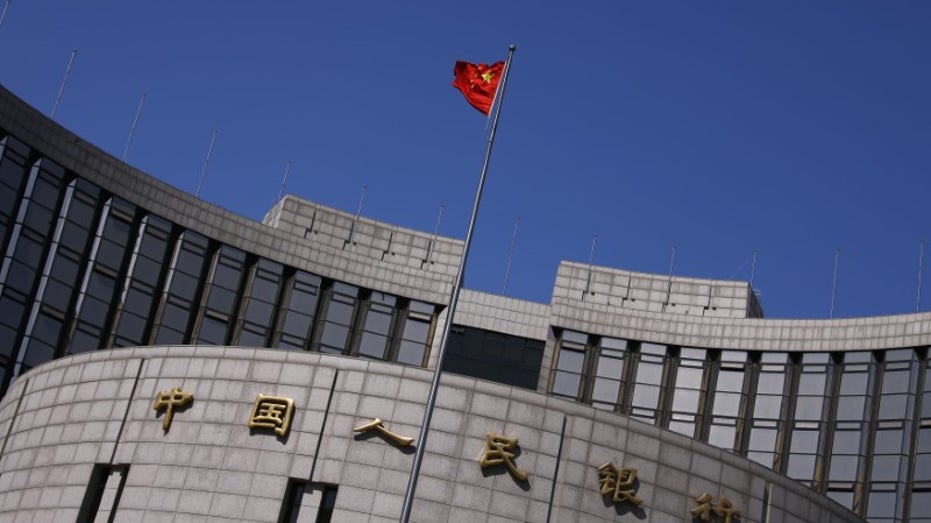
(719, 127)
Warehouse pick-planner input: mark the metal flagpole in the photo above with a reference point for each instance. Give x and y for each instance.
(132, 129)
(203, 172)
(834, 284)
(64, 81)
(507, 271)
(451, 309)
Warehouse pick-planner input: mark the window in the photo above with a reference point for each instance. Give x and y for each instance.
(767, 420)
(259, 309)
(687, 391)
(336, 328)
(145, 270)
(493, 356)
(103, 493)
(609, 373)
(222, 295)
(109, 253)
(568, 372)
(299, 308)
(807, 426)
(305, 501)
(648, 382)
(851, 419)
(727, 399)
(183, 285)
(891, 445)
(415, 336)
(377, 326)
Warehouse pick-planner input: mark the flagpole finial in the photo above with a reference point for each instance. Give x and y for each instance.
(512, 47)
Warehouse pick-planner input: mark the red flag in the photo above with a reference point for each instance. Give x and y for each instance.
(478, 83)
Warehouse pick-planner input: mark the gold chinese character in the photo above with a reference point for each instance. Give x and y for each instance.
(703, 510)
(170, 400)
(498, 452)
(272, 412)
(618, 483)
(377, 426)
(723, 508)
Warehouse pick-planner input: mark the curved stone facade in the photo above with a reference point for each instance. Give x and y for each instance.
(59, 420)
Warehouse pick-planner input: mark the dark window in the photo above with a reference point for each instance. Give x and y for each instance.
(300, 310)
(304, 496)
(340, 310)
(102, 476)
(493, 356)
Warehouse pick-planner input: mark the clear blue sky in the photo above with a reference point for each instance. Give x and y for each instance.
(720, 127)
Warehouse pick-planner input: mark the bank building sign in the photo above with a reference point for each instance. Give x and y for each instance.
(617, 484)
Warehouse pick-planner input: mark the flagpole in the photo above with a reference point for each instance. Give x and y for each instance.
(451, 309)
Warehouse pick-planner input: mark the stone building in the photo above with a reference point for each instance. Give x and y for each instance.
(163, 359)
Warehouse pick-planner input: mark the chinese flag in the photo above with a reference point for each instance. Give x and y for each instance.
(478, 83)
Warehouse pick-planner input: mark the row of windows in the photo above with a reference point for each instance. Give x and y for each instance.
(82, 270)
(843, 423)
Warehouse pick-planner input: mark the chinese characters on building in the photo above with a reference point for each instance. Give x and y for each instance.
(706, 507)
(272, 412)
(171, 400)
(378, 426)
(499, 451)
(618, 483)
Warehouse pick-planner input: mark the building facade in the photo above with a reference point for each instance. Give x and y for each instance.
(629, 395)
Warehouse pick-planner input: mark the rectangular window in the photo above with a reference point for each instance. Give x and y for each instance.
(183, 285)
(308, 502)
(145, 270)
(103, 493)
(727, 399)
(97, 297)
(809, 410)
(259, 309)
(415, 334)
(568, 371)
(851, 421)
(648, 381)
(686, 395)
(891, 445)
(340, 313)
(609, 373)
(223, 295)
(299, 308)
(375, 341)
